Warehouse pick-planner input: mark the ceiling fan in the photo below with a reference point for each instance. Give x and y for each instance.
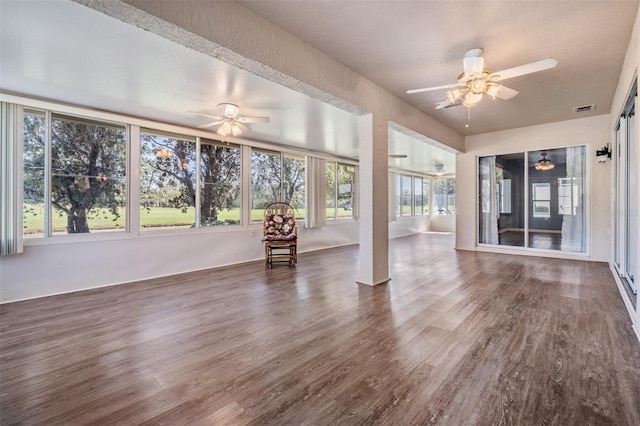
(477, 81)
(230, 123)
(438, 169)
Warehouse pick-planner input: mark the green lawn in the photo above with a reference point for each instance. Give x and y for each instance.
(33, 218)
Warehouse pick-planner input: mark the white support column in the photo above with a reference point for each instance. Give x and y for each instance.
(374, 217)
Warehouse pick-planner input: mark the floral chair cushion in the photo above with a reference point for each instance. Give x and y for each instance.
(279, 228)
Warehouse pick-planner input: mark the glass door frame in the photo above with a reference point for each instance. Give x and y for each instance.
(621, 208)
(586, 200)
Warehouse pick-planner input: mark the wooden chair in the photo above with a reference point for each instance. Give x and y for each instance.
(280, 234)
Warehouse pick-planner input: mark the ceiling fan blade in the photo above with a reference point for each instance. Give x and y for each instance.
(397, 155)
(429, 89)
(211, 124)
(541, 65)
(506, 93)
(253, 120)
(446, 104)
(242, 126)
(443, 104)
(206, 115)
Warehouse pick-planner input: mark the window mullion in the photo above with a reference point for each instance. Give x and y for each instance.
(197, 189)
(47, 176)
(336, 192)
(281, 177)
(133, 202)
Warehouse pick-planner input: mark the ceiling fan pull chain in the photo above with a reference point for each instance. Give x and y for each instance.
(468, 116)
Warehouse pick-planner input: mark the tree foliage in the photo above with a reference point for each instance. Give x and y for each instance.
(169, 176)
(220, 171)
(88, 168)
(277, 178)
(444, 190)
(345, 185)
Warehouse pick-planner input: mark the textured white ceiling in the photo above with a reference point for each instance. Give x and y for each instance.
(64, 51)
(67, 52)
(404, 45)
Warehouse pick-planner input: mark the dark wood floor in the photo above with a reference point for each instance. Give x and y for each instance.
(456, 338)
(537, 240)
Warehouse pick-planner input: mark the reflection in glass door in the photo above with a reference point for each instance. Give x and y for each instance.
(632, 197)
(501, 200)
(625, 253)
(555, 201)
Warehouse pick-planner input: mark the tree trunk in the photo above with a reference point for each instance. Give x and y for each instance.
(77, 223)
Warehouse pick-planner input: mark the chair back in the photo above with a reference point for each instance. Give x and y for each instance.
(279, 222)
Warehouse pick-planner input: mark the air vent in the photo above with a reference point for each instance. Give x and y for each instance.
(584, 108)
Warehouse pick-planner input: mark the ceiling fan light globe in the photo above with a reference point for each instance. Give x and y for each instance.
(235, 130)
(224, 129)
(471, 99)
(478, 86)
(454, 95)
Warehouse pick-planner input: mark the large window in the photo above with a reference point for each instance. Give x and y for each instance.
(276, 177)
(426, 197)
(406, 195)
(293, 183)
(568, 196)
(76, 179)
(444, 195)
(167, 181)
(418, 198)
(85, 189)
(341, 190)
(541, 199)
(34, 150)
(412, 195)
(219, 184)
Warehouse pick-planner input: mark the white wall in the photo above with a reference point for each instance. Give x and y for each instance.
(408, 225)
(63, 266)
(443, 222)
(594, 132)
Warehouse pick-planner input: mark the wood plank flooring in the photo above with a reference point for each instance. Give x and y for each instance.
(456, 338)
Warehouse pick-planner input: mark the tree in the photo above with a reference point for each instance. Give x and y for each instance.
(34, 158)
(444, 190)
(168, 176)
(220, 175)
(265, 178)
(275, 177)
(293, 181)
(88, 169)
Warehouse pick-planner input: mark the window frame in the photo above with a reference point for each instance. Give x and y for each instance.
(336, 192)
(134, 126)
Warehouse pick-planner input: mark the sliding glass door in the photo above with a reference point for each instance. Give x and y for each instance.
(501, 209)
(546, 185)
(625, 224)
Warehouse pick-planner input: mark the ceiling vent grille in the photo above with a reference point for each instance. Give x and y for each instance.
(584, 108)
